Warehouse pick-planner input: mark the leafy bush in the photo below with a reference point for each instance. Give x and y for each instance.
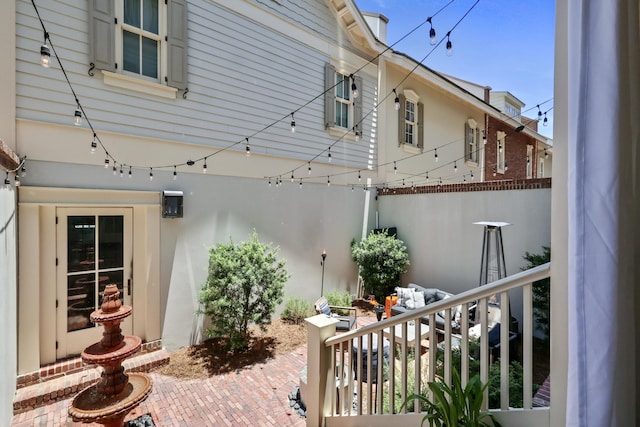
(243, 288)
(541, 291)
(382, 259)
(342, 299)
(296, 310)
(454, 405)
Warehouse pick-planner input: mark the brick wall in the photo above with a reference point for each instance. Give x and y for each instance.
(515, 152)
(509, 184)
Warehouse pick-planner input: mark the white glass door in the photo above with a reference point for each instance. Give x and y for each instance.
(94, 249)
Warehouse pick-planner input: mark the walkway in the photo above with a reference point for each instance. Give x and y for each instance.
(256, 396)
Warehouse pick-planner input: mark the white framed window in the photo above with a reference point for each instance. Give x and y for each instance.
(139, 43)
(343, 110)
(529, 161)
(471, 138)
(410, 117)
(501, 149)
(512, 111)
(541, 167)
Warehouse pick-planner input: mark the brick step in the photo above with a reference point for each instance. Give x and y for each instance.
(69, 383)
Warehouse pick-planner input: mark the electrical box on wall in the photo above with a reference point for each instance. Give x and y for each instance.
(172, 204)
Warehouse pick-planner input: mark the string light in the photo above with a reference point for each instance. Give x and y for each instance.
(16, 180)
(45, 52)
(328, 181)
(395, 168)
(175, 173)
(432, 32)
(114, 169)
(329, 155)
(309, 170)
(545, 122)
(426, 175)
(293, 124)
(396, 100)
(94, 144)
(472, 177)
(546, 154)
(539, 112)
(506, 168)
(204, 166)
(292, 178)
(7, 182)
(359, 177)
(449, 45)
(106, 160)
(130, 173)
(269, 182)
(484, 137)
(77, 116)
(121, 173)
(354, 88)
(23, 171)
(435, 155)
(300, 186)
(494, 171)
(150, 174)
(455, 166)
(355, 129)
(248, 149)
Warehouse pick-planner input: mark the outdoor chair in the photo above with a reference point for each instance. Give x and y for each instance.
(346, 323)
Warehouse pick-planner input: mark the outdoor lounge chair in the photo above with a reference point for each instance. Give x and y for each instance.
(346, 323)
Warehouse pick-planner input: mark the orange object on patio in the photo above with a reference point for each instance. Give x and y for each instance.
(389, 301)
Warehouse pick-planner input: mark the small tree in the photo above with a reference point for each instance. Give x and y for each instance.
(244, 286)
(382, 259)
(541, 291)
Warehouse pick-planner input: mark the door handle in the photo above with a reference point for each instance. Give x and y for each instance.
(129, 286)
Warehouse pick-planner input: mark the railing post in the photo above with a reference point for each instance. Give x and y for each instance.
(316, 398)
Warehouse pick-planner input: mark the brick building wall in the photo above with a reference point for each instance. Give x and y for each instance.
(515, 153)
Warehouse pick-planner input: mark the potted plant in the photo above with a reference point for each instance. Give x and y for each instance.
(454, 406)
(382, 259)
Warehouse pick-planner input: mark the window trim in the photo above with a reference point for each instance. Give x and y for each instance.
(471, 148)
(501, 156)
(127, 82)
(408, 95)
(529, 166)
(354, 106)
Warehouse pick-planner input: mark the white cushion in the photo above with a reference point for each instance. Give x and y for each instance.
(404, 295)
(418, 298)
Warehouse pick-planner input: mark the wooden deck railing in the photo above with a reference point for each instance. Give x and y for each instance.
(409, 353)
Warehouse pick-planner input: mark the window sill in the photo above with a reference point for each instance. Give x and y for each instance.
(471, 163)
(411, 149)
(138, 85)
(343, 133)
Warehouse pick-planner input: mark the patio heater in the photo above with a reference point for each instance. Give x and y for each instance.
(492, 265)
(324, 257)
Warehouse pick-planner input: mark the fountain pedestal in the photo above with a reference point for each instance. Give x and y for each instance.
(109, 400)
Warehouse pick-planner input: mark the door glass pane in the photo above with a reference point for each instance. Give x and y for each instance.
(111, 278)
(110, 247)
(80, 301)
(132, 12)
(81, 243)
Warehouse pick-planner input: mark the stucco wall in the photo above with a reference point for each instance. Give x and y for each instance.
(444, 245)
(7, 302)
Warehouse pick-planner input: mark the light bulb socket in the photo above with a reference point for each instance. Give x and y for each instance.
(77, 117)
(94, 145)
(432, 36)
(45, 56)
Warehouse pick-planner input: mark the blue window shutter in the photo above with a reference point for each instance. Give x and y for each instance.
(102, 35)
(177, 44)
(420, 125)
(329, 96)
(357, 106)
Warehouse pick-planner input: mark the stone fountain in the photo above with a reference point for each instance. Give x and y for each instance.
(109, 400)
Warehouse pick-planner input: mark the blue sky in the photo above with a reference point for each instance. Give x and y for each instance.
(505, 44)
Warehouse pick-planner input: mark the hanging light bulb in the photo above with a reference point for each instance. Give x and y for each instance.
(464, 178)
(354, 88)
(204, 166)
(472, 176)
(426, 175)
(545, 122)
(539, 112)
(494, 171)
(269, 182)
(121, 173)
(328, 182)
(45, 55)
(300, 186)
(130, 173)
(506, 168)
(546, 154)
(150, 174)
(357, 133)
(352, 188)
(248, 149)
(77, 116)
(114, 169)
(292, 178)
(293, 124)
(449, 45)
(309, 169)
(484, 137)
(94, 145)
(23, 171)
(395, 168)
(528, 159)
(455, 166)
(7, 181)
(329, 155)
(396, 101)
(359, 177)
(500, 147)
(432, 32)
(106, 161)
(16, 180)
(175, 173)
(435, 155)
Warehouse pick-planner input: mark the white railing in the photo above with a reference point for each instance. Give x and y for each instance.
(370, 391)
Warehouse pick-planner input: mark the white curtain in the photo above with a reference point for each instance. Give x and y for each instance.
(603, 122)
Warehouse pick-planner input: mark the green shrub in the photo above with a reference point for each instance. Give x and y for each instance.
(243, 288)
(541, 292)
(382, 259)
(296, 310)
(339, 298)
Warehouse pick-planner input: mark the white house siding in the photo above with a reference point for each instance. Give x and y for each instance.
(243, 76)
(444, 245)
(8, 219)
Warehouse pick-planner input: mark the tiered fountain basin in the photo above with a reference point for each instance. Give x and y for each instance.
(109, 400)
